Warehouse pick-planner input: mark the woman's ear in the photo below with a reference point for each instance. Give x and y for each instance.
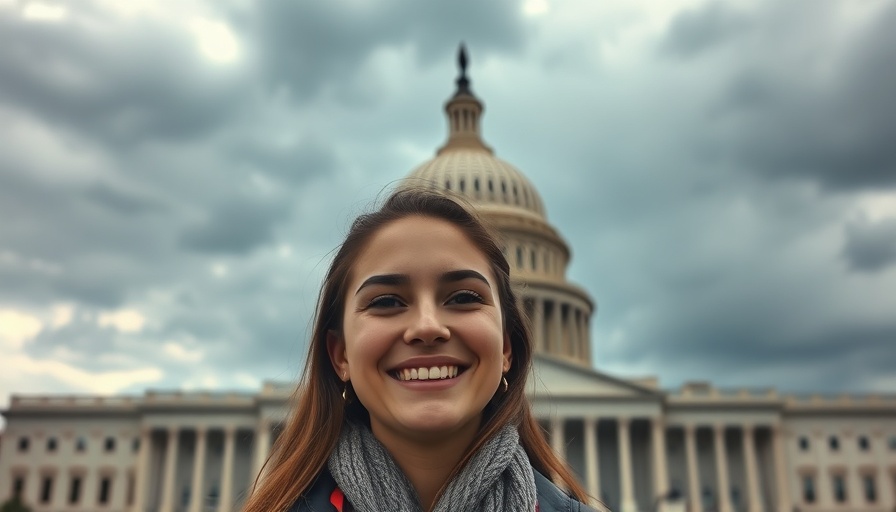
(336, 350)
(508, 353)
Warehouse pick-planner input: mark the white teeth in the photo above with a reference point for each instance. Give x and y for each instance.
(433, 373)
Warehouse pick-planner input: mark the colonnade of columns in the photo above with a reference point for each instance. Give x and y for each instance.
(560, 328)
(167, 502)
(658, 460)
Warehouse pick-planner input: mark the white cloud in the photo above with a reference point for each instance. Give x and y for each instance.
(178, 352)
(125, 320)
(215, 40)
(38, 11)
(17, 327)
(535, 8)
(62, 315)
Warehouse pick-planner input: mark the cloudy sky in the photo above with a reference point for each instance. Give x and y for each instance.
(172, 180)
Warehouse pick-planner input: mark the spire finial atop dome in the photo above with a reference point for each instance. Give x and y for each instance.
(463, 110)
(463, 83)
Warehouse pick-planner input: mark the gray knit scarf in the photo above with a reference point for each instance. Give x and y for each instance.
(497, 477)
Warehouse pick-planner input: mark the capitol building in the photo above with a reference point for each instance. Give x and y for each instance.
(635, 447)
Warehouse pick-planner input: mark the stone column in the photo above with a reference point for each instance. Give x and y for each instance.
(141, 478)
(824, 491)
(690, 442)
(262, 446)
(557, 341)
(724, 487)
(885, 480)
(660, 476)
(592, 471)
(628, 503)
(782, 485)
(226, 496)
(558, 443)
(583, 336)
(167, 504)
(587, 330)
(538, 325)
(574, 337)
(754, 501)
(197, 493)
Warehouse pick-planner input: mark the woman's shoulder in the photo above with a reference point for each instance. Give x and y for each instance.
(552, 499)
(317, 497)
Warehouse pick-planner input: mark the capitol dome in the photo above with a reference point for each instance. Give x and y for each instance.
(559, 311)
(483, 179)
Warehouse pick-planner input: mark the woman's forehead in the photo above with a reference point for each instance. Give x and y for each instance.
(421, 245)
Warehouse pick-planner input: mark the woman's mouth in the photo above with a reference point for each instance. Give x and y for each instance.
(427, 373)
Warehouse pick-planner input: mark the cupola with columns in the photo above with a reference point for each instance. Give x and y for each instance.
(559, 311)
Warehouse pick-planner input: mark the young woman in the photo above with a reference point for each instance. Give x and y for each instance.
(413, 395)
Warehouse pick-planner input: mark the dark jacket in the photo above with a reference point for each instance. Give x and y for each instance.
(550, 497)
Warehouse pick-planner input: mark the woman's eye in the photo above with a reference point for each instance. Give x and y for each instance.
(466, 297)
(385, 301)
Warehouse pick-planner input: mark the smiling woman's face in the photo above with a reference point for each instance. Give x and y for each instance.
(422, 337)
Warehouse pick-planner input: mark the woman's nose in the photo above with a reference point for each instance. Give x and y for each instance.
(426, 326)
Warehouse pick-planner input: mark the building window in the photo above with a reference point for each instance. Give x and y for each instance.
(129, 497)
(46, 489)
(804, 444)
(864, 444)
(109, 445)
(51, 444)
(839, 485)
(893, 443)
(105, 489)
(23, 444)
(74, 491)
(135, 445)
(834, 443)
(81, 445)
(869, 487)
(18, 485)
(808, 489)
(462, 185)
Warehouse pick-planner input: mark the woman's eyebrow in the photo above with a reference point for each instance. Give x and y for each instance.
(460, 275)
(385, 279)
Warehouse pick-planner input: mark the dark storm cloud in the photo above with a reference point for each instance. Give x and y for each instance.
(237, 226)
(118, 200)
(870, 246)
(128, 82)
(308, 46)
(294, 163)
(789, 106)
(700, 29)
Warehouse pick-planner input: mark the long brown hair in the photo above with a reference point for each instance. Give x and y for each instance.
(313, 428)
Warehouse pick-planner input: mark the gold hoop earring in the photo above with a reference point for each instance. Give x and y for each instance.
(345, 397)
(506, 386)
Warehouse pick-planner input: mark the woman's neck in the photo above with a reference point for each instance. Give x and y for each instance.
(427, 462)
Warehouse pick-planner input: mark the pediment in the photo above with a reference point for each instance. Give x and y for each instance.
(554, 377)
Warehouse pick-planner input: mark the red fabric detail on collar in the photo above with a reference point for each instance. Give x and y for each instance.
(337, 499)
